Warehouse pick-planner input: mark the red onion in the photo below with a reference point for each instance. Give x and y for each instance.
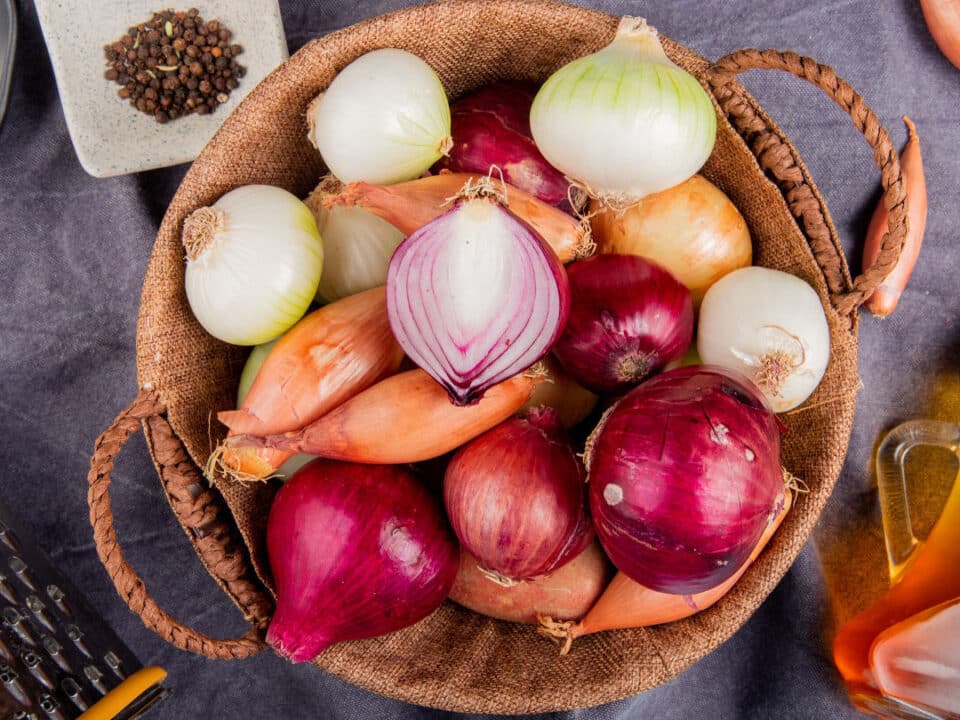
(475, 297)
(516, 497)
(629, 317)
(684, 477)
(492, 127)
(356, 551)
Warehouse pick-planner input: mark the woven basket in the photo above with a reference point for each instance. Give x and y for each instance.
(455, 659)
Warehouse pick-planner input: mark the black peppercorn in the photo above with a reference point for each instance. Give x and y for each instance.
(174, 64)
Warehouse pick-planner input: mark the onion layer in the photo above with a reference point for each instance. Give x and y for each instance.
(628, 318)
(684, 477)
(516, 499)
(356, 551)
(475, 297)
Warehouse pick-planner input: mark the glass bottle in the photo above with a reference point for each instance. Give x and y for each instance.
(900, 657)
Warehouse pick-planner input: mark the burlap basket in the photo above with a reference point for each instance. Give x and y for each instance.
(456, 659)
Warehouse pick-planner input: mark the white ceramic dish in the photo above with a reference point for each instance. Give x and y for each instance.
(110, 136)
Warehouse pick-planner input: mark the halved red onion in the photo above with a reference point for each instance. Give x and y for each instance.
(491, 127)
(475, 297)
(684, 475)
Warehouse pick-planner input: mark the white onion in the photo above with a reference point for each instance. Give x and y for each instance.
(384, 119)
(253, 263)
(625, 121)
(770, 326)
(357, 245)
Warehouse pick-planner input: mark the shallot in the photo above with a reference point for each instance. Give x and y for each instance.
(356, 551)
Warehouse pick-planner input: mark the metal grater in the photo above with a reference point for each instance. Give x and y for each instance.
(58, 659)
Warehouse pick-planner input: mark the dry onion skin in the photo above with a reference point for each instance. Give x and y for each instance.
(691, 229)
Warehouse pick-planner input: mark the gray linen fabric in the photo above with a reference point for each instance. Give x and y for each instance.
(73, 251)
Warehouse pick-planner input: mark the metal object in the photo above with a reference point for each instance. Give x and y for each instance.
(6, 592)
(19, 567)
(76, 636)
(11, 682)
(5, 653)
(73, 691)
(8, 538)
(24, 715)
(59, 599)
(14, 620)
(37, 607)
(32, 662)
(94, 676)
(113, 662)
(8, 46)
(55, 651)
(51, 707)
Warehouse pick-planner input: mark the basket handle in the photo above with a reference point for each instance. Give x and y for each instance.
(774, 156)
(129, 585)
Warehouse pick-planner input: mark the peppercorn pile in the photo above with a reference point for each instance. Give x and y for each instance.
(175, 64)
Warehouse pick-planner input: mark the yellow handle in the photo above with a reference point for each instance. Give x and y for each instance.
(125, 694)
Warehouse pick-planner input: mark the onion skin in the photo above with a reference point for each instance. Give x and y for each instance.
(628, 318)
(568, 592)
(411, 205)
(404, 418)
(355, 551)
(884, 299)
(327, 357)
(627, 604)
(943, 21)
(516, 499)
(684, 475)
(691, 229)
(559, 390)
(491, 128)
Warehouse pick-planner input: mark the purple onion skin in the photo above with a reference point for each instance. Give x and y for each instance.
(492, 127)
(356, 551)
(684, 474)
(421, 295)
(629, 317)
(516, 497)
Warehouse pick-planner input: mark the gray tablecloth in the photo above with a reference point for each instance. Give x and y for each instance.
(73, 251)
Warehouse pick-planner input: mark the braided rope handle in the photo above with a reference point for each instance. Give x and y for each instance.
(129, 585)
(775, 157)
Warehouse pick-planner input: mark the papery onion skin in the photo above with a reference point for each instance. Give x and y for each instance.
(355, 551)
(515, 497)
(770, 326)
(253, 264)
(572, 402)
(568, 592)
(625, 121)
(491, 133)
(384, 119)
(628, 318)
(684, 475)
(691, 229)
(411, 205)
(357, 245)
(475, 297)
